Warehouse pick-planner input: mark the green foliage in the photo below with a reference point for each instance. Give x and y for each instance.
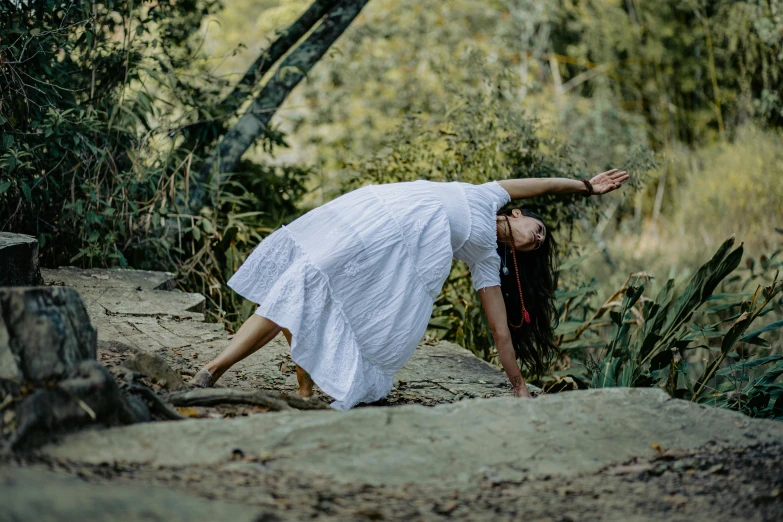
(106, 110)
(653, 342)
(693, 68)
(80, 165)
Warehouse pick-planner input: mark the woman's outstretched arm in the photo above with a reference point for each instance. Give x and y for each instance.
(531, 187)
(495, 308)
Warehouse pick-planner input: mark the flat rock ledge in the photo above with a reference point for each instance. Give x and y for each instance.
(454, 445)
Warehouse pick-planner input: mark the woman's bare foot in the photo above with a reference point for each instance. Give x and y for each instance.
(202, 379)
(305, 383)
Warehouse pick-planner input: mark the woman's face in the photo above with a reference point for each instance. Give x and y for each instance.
(529, 233)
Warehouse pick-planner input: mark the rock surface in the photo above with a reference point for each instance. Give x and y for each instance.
(140, 309)
(18, 260)
(155, 366)
(454, 445)
(43, 331)
(42, 496)
(477, 454)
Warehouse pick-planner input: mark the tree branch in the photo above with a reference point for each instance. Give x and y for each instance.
(272, 55)
(293, 69)
(214, 396)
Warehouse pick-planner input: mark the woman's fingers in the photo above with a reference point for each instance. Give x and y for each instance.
(609, 181)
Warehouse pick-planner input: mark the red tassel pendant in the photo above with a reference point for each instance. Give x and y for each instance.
(527, 317)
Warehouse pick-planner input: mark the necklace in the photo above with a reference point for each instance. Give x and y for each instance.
(525, 316)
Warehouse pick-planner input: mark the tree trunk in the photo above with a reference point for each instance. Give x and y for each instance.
(254, 122)
(202, 133)
(272, 55)
(43, 332)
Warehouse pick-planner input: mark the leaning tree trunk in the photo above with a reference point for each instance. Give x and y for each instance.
(200, 134)
(272, 55)
(291, 71)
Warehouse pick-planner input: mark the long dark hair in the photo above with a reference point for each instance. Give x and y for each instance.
(534, 342)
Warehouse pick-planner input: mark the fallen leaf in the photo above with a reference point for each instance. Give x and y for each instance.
(189, 411)
(657, 447)
(102, 277)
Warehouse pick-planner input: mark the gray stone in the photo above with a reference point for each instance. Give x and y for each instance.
(140, 309)
(153, 303)
(444, 372)
(110, 278)
(41, 496)
(86, 395)
(155, 367)
(43, 331)
(18, 260)
(452, 445)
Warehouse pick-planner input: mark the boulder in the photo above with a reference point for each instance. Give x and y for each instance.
(452, 445)
(18, 260)
(43, 332)
(48, 364)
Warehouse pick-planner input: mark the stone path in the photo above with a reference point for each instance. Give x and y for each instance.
(144, 311)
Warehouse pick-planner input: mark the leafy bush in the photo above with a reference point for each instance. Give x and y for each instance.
(105, 111)
(659, 342)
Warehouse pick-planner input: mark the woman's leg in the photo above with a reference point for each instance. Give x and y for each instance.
(252, 335)
(302, 377)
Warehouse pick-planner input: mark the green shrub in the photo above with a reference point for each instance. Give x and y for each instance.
(678, 340)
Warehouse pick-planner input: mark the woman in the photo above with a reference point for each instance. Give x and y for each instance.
(351, 284)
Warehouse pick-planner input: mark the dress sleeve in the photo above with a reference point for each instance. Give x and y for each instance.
(479, 250)
(485, 271)
(497, 194)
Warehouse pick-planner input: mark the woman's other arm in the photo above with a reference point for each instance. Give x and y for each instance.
(531, 187)
(495, 308)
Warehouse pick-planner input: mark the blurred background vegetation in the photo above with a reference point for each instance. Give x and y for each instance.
(119, 125)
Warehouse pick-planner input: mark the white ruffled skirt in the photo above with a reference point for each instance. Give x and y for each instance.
(354, 282)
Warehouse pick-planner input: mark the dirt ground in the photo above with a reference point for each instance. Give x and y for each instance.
(713, 483)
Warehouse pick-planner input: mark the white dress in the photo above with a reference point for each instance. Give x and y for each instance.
(355, 279)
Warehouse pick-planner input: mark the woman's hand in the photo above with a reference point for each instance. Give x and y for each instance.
(608, 181)
(522, 392)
